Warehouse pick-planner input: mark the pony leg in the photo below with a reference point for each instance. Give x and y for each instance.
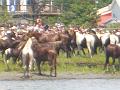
(51, 64)
(27, 72)
(3, 52)
(90, 51)
(55, 70)
(106, 63)
(24, 65)
(38, 66)
(55, 65)
(24, 71)
(68, 54)
(6, 61)
(113, 64)
(52, 67)
(34, 62)
(83, 51)
(79, 50)
(119, 63)
(51, 70)
(73, 52)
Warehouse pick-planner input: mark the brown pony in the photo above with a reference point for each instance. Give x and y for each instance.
(42, 54)
(113, 51)
(53, 37)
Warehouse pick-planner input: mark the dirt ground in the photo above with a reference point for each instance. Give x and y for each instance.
(34, 76)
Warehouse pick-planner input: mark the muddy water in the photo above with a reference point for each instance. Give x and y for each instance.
(73, 84)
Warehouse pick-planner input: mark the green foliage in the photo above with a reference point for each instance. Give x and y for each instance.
(103, 3)
(4, 15)
(4, 18)
(81, 12)
(50, 20)
(113, 25)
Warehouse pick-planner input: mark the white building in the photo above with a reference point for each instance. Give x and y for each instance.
(115, 8)
(16, 5)
(110, 13)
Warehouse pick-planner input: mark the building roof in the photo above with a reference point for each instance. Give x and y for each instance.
(108, 8)
(104, 10)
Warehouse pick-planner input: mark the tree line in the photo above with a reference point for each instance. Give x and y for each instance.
(74, 12)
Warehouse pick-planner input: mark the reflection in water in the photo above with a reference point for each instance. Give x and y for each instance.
(77, 84)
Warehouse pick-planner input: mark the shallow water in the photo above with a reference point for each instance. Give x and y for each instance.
(73, 84)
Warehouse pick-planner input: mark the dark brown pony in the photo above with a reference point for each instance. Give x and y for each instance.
(52, 37)
(42, 54)
(113, 51)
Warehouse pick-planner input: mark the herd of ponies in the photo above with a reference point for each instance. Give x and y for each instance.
(36, 47)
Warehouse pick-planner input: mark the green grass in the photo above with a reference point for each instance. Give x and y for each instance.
(72, 67)
(68, 65)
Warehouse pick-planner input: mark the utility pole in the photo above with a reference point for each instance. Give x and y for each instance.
(51, 5)
(33, 10)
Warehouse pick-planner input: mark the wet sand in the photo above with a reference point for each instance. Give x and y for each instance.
(34, 76)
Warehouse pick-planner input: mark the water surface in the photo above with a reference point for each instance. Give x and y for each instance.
(73, 84)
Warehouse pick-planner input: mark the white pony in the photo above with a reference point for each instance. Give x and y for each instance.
(90, 41)
(79, 41)
(105, 39)
(114, 39)
(27, 57)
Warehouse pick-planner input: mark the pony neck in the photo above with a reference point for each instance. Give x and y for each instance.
(21, 45)
(28, 43)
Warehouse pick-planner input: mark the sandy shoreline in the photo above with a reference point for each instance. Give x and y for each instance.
(34, 76)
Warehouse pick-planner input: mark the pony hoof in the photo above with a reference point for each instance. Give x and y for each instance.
(106, 71)
(40, 74)
(27, 77)
(52, 75)
(114, 72)
(7, 70)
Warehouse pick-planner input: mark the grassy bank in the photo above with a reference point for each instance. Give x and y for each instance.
(77, 64)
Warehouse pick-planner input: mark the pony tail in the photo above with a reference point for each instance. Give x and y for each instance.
(27, 60)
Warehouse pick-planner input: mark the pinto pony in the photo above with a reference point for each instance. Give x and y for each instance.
(113, 51)
(13, 53)
(27, 57)
(85, 40)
